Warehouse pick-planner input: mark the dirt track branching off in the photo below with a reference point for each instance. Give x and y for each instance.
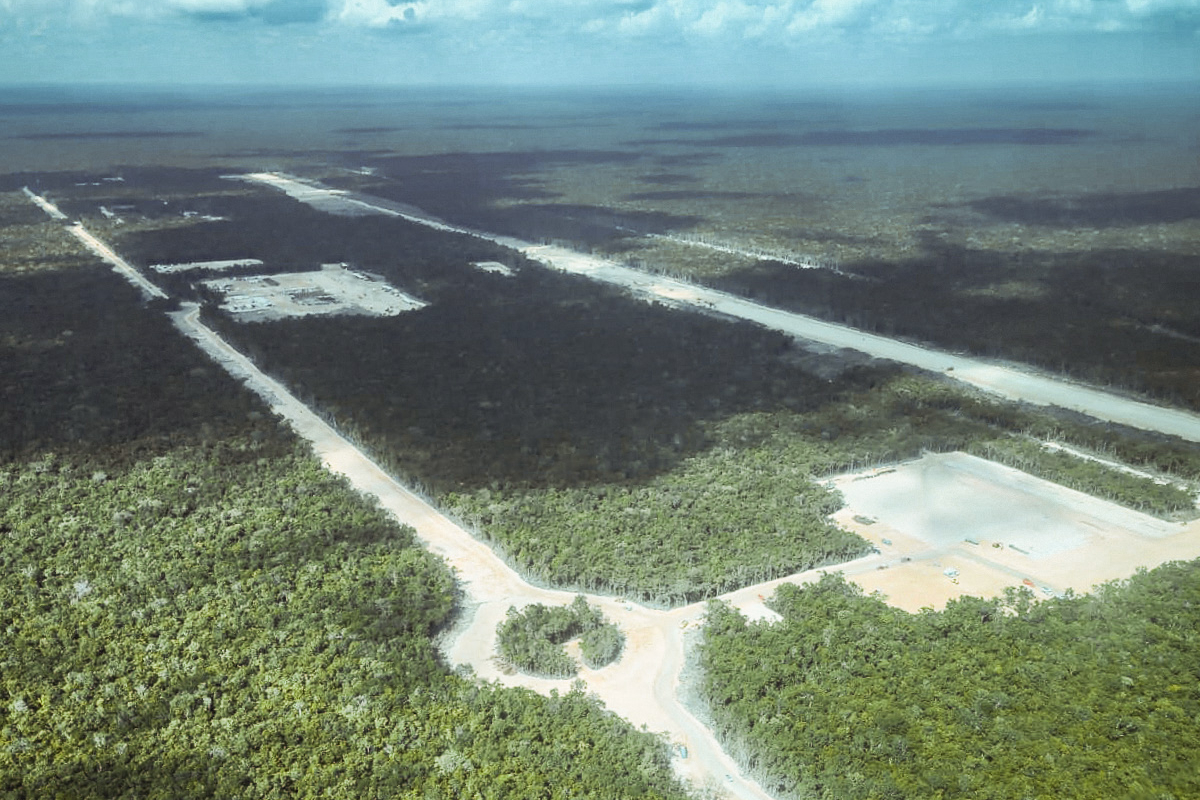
(831, 431)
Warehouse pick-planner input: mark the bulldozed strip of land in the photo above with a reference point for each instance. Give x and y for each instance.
(1009, 382)
(932, 521)
(208, 266)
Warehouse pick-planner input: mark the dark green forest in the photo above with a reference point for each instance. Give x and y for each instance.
(191, 607)
(1137, 492)
(606, 444)
(531, 640)
(1121, 316)
(596, 441)
(289, 236)
(1091, 696)
(232, 621)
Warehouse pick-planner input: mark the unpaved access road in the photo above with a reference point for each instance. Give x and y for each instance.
(106, 253)
(98, 248)
(641, 686)
(45, 205)
(1008, 382)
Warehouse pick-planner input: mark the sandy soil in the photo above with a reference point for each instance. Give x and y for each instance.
(954, 511)
(642, 685)
(206, 266)
(45, 205)
(99, 248)
(332, 290)
(106, 253)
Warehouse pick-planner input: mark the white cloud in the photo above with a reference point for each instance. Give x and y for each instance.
(643, 22)
(210, 6)
(372, 13)
(768, 21)
(1143, 7)
(723, 14)
(826, 14)
(90, 12)
(1032, 19)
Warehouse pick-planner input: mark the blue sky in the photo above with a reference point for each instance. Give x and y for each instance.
(737, 42)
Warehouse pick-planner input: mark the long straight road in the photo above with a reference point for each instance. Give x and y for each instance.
(103, 251)
(1008, 382)
(1005, 381)
(149, 290)
(643, 685)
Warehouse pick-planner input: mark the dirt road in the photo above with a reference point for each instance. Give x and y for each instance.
(106, 253)
(1008, 382)
(45, 205)
(98, 248)
(640, 686)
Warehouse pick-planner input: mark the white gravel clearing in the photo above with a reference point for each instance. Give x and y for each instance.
(643, 685)
(947, 498)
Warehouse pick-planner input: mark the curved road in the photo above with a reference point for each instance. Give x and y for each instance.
(641, 686)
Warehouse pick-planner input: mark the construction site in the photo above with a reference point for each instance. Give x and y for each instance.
(952, 524)
(334, 289)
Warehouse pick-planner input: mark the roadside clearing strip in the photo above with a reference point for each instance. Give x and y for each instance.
(149, 290)
(1008, 382)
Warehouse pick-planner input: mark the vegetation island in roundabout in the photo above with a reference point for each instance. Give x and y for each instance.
(533, 640)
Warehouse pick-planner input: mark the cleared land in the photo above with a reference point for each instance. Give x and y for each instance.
(107, 254)
(332, 290)
(1007, 382)
(946, 498)
(45, 205)
(643, 685)
(494, 267)
(995, 527)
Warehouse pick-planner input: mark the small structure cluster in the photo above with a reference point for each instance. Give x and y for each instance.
(334, 289)
(209, 266)
(494, 266)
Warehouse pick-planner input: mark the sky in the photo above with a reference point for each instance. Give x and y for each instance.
(775, 43)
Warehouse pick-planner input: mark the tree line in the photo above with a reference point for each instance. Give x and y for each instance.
(190, 606)
(1081, 696)
(604, 444)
